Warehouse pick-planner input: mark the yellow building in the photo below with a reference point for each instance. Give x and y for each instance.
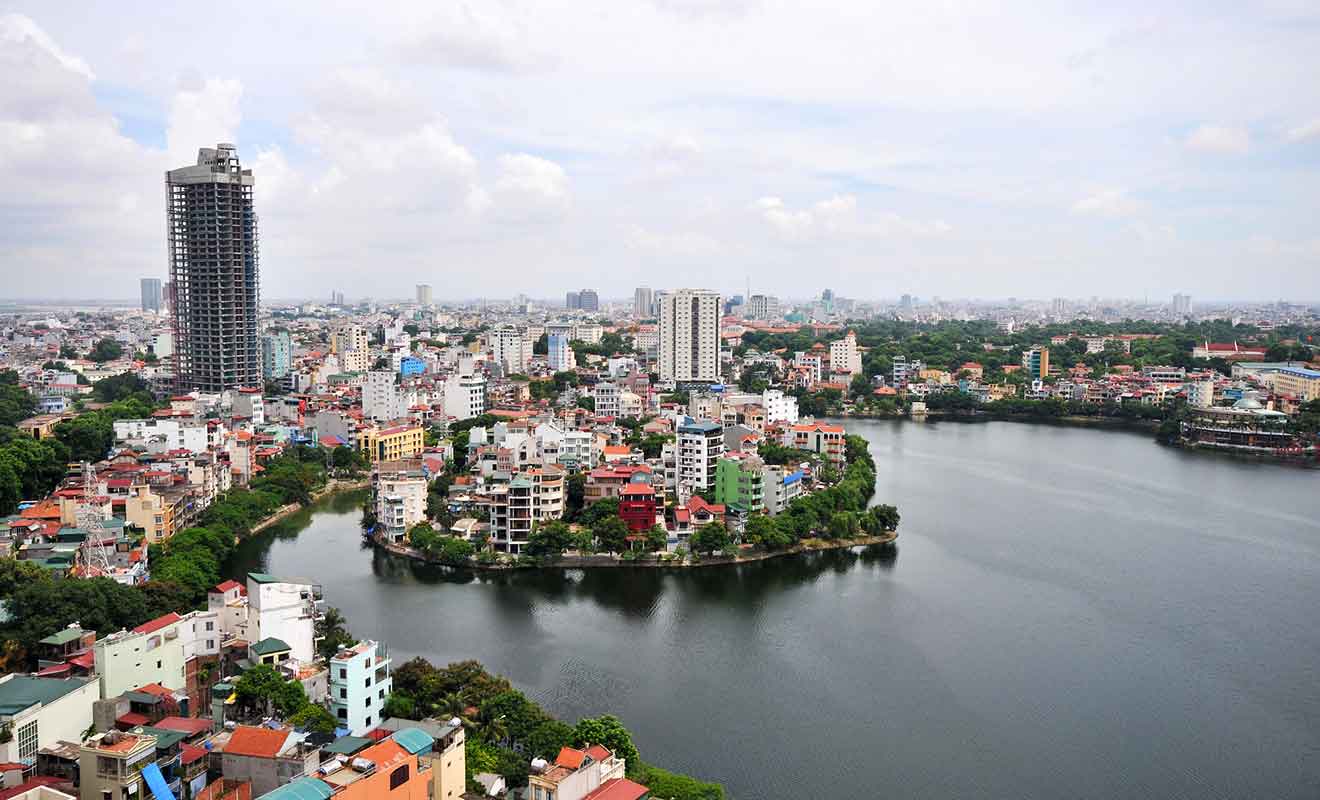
(1301, 383)
(151, 512)
(393, 443)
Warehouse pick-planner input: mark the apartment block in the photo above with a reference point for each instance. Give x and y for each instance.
(360, 680)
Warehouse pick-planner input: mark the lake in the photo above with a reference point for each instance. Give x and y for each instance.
(1068, 613)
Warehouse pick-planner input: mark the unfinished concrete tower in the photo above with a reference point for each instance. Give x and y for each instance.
(215, 280)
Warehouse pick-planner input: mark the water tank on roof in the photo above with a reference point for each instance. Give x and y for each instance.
(539, 765)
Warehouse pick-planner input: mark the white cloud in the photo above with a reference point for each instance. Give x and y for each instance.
(18, 29)
(1108, 203)
(529, 188)
(202, 117)
(840, 217)
(684, 244)
(1219, 139)
(1308, 130)
(477, 38)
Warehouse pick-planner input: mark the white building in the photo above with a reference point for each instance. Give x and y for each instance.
(607, 400)
(844, 356)
(162, 435)
(360, 680)
(699, 446)
(399, 491)
(465, 396)
(783, 485)
(763, 306)
(510, 348)
(1201, 394)
(247, 402)
(690, 336)
(779, 407)
(381, 398)
(39, 712)
(286, 610)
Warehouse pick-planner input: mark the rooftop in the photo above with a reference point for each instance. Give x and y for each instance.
(23, 691)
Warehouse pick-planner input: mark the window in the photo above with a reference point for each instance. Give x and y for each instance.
(343, 713)
(366, 684)
(368, 702)
(368, 722)
(210, 644)
(343, 674)
(157, 665)
(399, 777)
(343, 693)
(27, 740)
(210, 626)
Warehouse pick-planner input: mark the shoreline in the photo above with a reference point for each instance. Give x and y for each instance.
(1071, 420)
(332, 486)
(599, 561)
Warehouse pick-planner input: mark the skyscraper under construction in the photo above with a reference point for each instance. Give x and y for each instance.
(215, 286)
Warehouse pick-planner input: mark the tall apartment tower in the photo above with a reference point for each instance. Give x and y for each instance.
(423, 294)
(643, 302)
(588, 300)
(151, 294)
(212, 232)
(690, 336)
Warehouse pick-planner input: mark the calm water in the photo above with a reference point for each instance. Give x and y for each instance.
(1069, 613)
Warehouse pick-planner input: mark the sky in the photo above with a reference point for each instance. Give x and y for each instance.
(958, 149)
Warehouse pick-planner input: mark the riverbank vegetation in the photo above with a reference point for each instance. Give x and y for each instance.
(506, 729)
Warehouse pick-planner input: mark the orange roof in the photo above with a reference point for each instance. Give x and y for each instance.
(618, 789)
(617, 450)
(570, 758)
(384, 755)
(599, 752)
(156, 689)
(256, 742)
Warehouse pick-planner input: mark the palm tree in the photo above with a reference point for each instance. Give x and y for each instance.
(495, 731)
(451, 705)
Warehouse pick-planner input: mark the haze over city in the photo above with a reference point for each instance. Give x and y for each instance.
(1031, 151)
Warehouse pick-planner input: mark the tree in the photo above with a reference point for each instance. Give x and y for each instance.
(607, 730)
(657, 538)
(15, 575)
(611, 534)
(709, 538)
(68, 351)
(843, 525)
(314, 719)
(575, 495)
(455, 552)
(333, 628)
(263, 689)
(399, 706)
(105, 350)
(550, 539)
(423, 537)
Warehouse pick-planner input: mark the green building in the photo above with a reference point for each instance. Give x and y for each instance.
(740, 483)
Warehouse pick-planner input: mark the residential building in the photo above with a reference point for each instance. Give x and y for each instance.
(267, 758)
(1182, 304)
(423, 294)
(609, 481)
(163, 434)
(572, 301)
(404, 766)
(700, 445)
(510, 348)
(574, 774)
(1201, 394)
(643, 302)
(1301, 383)
(393, 443)
(38, 712)
(637, 506)
(352, 345)
(782, 487)
(465, 396)
(211, 227)
(762, 307)
(818, 437)
(168, 651)
(690, 336)
(360, 680)
(740, 483)
(276, 354)
(381, 398)
(399, 494)
(588, 300)
(558, 354)
(607, 400)
(845, 359)
(529, 498)
(1036, 362)
(152, 512)
(110, 766)
(444, 757)
(151, 296)
(779, 407)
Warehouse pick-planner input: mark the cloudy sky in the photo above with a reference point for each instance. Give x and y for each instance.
(956, 149)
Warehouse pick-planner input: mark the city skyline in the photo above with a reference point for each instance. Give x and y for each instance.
(970, 155)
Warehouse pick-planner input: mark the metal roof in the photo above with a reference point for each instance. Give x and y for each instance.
(21, 692)
(414, 740)
(301, 789)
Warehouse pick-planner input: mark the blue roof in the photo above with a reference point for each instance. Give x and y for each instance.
(793, 477)
(704, 426)
(301, 789)
(1301, 372)
(414, 740)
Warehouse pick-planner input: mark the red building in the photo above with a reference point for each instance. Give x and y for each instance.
(637, 506)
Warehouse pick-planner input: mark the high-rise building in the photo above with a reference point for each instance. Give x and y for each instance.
(762, 306)
(1182, 304)
(212, 235)
(690, 336)
(844, 356)
(588, 300)
(276, 354)
(510, 348)
(423, 294)
(151, 294)
(353, 346)
(1036, 362)
(572, 301)
(558, 353)
(643, 302)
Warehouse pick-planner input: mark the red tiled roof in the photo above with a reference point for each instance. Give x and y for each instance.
(226, 586)
(29, 785)
(618, 789)
(158, 623)
(190, 754)
(637, 488)
(256, 742)
(132, 719)
(599, 752)
(188, 725)
(570, 758)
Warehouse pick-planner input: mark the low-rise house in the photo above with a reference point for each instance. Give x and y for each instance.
(267, 758)
(576, 774)
(39, 712)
